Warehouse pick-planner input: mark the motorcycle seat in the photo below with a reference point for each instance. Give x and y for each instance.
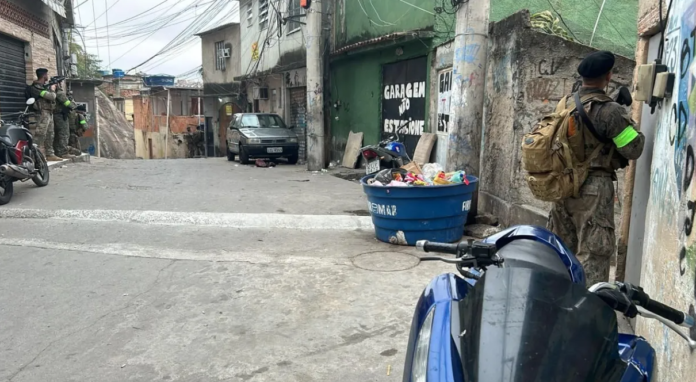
(532, 254)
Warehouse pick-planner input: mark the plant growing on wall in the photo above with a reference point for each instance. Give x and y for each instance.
(87, 64)
(548, 23)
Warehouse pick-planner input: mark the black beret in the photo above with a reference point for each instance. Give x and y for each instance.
(596, 64)
(41, 71)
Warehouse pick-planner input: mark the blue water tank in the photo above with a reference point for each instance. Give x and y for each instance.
(404, 215)
(104, 73)
(118, 73)
(162, 80)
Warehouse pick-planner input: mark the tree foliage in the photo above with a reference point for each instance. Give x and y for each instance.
(87, 64)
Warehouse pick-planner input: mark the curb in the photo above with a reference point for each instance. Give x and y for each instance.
(84, 158)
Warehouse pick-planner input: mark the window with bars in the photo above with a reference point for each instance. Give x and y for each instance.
(294, 12)
(220, 63)
(250, 13)
(263, 14)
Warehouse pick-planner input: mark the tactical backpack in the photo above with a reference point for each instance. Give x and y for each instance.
(553, 153)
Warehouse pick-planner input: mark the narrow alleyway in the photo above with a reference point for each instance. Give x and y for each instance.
(145, 270)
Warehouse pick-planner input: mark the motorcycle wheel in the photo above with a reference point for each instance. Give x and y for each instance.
(42, 175)
(6, 189)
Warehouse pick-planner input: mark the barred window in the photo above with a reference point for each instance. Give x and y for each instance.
(263, 14)
(220, 63)
(294, 12)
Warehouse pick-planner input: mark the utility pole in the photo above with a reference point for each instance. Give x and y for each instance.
(96, 124)
(468, 88)
(315, 88)
(166, 133)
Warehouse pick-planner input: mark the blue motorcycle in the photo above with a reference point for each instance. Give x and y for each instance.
(519, 311)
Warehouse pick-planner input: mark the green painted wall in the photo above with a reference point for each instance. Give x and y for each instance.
(356, 83)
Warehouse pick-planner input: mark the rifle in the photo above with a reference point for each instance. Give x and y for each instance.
(54, 81)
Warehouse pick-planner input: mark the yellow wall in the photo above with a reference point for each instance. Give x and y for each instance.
(177, 145)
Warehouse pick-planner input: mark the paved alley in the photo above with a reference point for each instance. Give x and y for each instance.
(200, 270)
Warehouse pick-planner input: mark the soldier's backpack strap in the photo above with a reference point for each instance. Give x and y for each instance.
(585, 118)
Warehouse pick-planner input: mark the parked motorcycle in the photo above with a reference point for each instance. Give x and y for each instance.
(389, 153)
(20, 158)
(519, 311)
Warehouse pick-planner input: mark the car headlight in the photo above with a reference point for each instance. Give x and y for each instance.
(419, 367)
(253, 140)
(292, 140)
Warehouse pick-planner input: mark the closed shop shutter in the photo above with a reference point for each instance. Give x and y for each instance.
(298, 112)
(12, 75)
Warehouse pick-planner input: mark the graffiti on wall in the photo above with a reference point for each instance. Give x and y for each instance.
(672, 195)
(403, 100)
(443, 100)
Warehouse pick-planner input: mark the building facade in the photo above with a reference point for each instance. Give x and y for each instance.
(273, 60)
(163, 116)
(121, 89)
(662, 243)
(221, 56)
(32, 36)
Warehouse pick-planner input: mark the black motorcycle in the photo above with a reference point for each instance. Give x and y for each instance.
(20, 158)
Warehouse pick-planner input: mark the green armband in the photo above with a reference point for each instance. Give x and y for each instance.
(83, 122)
(66, 103)
(43, 93)
(626, 137)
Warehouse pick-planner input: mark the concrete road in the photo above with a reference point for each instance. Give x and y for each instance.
(200, 270)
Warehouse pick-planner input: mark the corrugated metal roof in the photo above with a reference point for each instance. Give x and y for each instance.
(58, 6)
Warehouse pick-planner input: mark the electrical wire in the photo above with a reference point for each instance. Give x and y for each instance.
(103, 13)
(214, 7)
(94, 14)
(108, 41)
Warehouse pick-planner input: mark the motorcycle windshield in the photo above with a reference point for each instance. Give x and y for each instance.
(520, 324)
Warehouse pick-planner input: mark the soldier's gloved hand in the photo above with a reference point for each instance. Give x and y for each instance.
(622, 96)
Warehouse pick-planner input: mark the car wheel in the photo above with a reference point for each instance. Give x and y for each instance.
(230, 155)
(293, 159)
(243, 156)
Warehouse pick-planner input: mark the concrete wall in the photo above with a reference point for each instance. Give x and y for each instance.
(528, 73)
(669, 248)
(229, 35)
(31, 21)
(287, 50)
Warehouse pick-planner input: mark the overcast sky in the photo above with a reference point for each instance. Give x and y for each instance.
(132, 42)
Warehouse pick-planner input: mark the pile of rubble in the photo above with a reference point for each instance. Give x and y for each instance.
(117, 140)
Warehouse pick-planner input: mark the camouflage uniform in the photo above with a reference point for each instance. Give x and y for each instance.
(586, 223)
(78, 125)
(61, 122)
(44, 105)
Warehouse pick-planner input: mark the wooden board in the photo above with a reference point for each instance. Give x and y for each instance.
(424, 148)
(350, 155)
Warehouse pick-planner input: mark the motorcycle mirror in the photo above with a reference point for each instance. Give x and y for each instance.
(30, 101)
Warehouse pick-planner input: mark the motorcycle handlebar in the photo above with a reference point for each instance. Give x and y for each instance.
(452, 249)
(640, 298)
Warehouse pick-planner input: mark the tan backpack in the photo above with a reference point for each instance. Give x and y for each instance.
(553, 152)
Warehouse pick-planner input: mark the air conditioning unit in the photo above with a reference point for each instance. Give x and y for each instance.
(260, 93)
(225, 52)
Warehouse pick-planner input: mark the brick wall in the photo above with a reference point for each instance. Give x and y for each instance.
(32, 28)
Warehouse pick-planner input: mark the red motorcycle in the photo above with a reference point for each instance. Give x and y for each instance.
(20, 158)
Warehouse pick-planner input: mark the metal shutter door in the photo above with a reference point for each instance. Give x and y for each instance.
(12, 75)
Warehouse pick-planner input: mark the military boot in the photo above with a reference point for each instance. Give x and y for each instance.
(53, 158)
(67, 156)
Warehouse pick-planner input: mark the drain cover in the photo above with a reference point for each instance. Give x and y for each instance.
(385, 261)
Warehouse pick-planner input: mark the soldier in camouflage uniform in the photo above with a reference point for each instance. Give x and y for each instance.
(586, 223)
(78, 126)
(61, 123)
(44, 105)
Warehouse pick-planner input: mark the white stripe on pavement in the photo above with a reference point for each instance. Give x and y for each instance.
(231, 220)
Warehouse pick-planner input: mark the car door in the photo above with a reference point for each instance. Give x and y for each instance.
(233, 134)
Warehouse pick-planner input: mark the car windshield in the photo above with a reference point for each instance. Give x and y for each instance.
(262, 120)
